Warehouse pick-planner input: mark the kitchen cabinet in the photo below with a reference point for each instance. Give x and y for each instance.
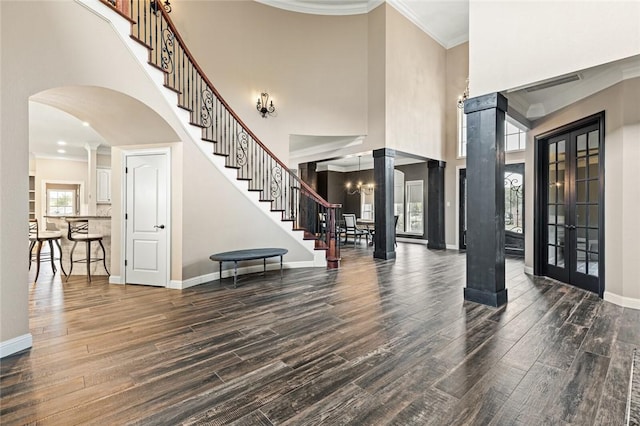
(32, 197)
(103, 182)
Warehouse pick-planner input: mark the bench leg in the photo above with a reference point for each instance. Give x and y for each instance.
(220, 272)
(280, 267)
(264, 266)
(235, 274)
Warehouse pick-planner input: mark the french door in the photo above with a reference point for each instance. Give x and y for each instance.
(570, 244)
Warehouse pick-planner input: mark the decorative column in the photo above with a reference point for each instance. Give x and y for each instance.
(435, 205)
(384, 238)
(92, 179)
(485, 199)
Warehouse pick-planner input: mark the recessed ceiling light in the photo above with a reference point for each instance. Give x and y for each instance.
(85, 124)
(61, 143)
(61, 151)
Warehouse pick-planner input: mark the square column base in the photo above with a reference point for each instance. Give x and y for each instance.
(486, 297)
(386, 255)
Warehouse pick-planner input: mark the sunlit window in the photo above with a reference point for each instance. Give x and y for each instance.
(515, 137)
(61, 202)
(414, 207)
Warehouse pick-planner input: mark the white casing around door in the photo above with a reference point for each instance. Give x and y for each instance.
(147, 227)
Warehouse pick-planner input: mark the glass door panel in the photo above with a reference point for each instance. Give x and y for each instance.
(573, 212)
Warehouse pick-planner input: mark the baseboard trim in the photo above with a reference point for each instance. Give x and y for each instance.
(626, 302)
(228, 273)
(412, 240)
(452, 247)
(15, 345)
(115, 279)
(528, 270)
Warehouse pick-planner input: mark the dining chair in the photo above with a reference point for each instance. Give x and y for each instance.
(350, 228)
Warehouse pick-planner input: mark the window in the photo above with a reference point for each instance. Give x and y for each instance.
(515, 138)
(414, 207)
(366, 203)
(462, 133)
(398, 199)
(62, 200)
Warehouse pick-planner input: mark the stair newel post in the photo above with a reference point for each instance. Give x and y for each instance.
(333, 251)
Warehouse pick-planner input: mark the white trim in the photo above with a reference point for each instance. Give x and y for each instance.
(334, 8)
(627, 302)
(116, 279)
(528, 270)
(452, 247)
(166, 151)
(228, 273)
(15, 345)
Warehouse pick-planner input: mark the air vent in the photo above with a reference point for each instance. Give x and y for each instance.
(554, 82)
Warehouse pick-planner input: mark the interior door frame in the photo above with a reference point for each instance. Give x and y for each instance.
(540, 203)
(166, 151)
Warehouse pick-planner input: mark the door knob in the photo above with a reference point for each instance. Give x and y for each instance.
(158, 227)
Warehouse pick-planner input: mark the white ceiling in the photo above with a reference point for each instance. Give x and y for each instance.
(51, 130)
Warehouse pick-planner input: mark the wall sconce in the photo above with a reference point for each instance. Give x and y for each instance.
(264, 106)
(359, 188)
(157, 4)
(464, 96)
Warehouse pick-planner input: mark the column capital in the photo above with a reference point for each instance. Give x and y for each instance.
(490, 101)
(436, 163)
(384, 152)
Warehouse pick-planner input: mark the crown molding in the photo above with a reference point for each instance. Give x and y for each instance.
(350, 7)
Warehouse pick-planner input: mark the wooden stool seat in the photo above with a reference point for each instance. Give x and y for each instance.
(79, 232)
(36, 239)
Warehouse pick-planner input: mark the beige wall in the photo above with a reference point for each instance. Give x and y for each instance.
(415, 89)
(622, 203)
(315, 67)
(515, 43)
(376, 84)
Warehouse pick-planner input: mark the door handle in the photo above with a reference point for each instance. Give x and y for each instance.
(570, 226)
(158, 227)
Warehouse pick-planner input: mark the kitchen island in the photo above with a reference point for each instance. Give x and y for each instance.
(97, 225)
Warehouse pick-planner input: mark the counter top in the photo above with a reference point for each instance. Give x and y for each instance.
(78, 217)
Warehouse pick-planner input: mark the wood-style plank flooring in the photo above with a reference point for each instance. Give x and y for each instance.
(373, 343)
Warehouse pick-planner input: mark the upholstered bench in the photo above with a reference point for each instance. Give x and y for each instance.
(248, 254)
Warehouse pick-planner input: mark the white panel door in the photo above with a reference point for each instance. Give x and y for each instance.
(146, 220)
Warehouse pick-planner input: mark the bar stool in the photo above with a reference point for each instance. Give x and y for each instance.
(37, 237)
(79, 232)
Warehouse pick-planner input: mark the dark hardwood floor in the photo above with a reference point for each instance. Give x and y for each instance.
(373, 343)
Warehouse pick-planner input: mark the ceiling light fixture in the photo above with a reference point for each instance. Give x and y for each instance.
(359, 187)
(85, 124)
(62, 143)
(61, 151)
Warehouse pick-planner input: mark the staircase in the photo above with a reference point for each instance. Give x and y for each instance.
(227, 134)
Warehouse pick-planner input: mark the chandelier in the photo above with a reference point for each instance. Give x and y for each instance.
(464, 96)
(359, 188)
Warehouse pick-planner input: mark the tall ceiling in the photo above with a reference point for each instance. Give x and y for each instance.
(446, 21)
